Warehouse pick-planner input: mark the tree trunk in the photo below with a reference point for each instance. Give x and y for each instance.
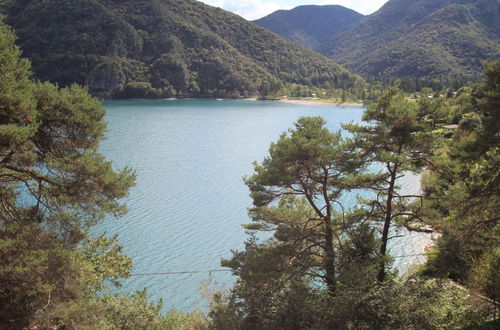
(387, 224)
(329, 261)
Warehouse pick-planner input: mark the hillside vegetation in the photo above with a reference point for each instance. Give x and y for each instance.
(324, 266)
(161, 48)
(310, 26)
(421, 38)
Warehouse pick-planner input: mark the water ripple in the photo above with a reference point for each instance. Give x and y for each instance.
(189, 203)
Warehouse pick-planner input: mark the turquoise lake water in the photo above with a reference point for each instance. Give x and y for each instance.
(189, 202)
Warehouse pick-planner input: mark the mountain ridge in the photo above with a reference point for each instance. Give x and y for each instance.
(161, 48)
(431, 39)
(425, 38)
(310, 25)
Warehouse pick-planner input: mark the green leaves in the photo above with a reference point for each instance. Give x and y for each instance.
(54, 186)
(306, 160)
(101, 260)
(296, 192)
(70, 119)
(463, 195)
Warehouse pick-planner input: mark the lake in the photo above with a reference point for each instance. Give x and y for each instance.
(189, 202)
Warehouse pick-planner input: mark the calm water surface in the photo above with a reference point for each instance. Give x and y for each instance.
(189, 203)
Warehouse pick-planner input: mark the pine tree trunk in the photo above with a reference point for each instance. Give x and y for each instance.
(387, 224)
(329, 261)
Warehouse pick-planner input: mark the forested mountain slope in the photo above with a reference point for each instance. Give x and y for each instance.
(421, 38)
(312, 25)
(161, 48)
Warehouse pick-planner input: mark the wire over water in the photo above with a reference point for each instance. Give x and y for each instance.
(226, 270)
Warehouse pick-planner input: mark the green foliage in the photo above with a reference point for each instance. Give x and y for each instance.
(185, 321)
(35, 270)
(463, 195)
(130, 311)
(54, 185)
(16, 99)
(100, 262)
(319, 268)
(415, 303)
(143, 90)
(483, 276)
(394, 138)
(183, 47)
(296, 191)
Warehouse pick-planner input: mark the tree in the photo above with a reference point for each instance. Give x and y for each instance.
(392, 139)
(295, 191)
(54, 185)
(462, 193)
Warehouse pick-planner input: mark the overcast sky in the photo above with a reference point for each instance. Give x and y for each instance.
(253, 9)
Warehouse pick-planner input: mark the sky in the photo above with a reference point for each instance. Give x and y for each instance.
(254, 9)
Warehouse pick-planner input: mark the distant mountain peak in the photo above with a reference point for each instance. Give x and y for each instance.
(404, 38)
(421, 38)
(310, 25)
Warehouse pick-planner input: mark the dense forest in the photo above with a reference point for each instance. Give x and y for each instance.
(325, 267)
(173, 48)
(162, 48)
(310, 26)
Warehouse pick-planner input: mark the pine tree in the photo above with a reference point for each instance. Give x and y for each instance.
(392, 140)
(54, 185)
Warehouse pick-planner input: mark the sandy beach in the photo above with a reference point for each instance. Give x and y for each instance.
(304, 102)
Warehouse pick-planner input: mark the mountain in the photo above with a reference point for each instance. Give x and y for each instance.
(143, 48)
(312, 25)
(421, 38)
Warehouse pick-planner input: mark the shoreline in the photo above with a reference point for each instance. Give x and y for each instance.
(305, 102)
(252, 99)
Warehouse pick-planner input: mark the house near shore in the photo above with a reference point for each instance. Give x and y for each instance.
(450, 127)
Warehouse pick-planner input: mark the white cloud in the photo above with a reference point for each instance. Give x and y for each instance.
(249, 9)
(362, 6)
(253, 9)
(345, 3)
